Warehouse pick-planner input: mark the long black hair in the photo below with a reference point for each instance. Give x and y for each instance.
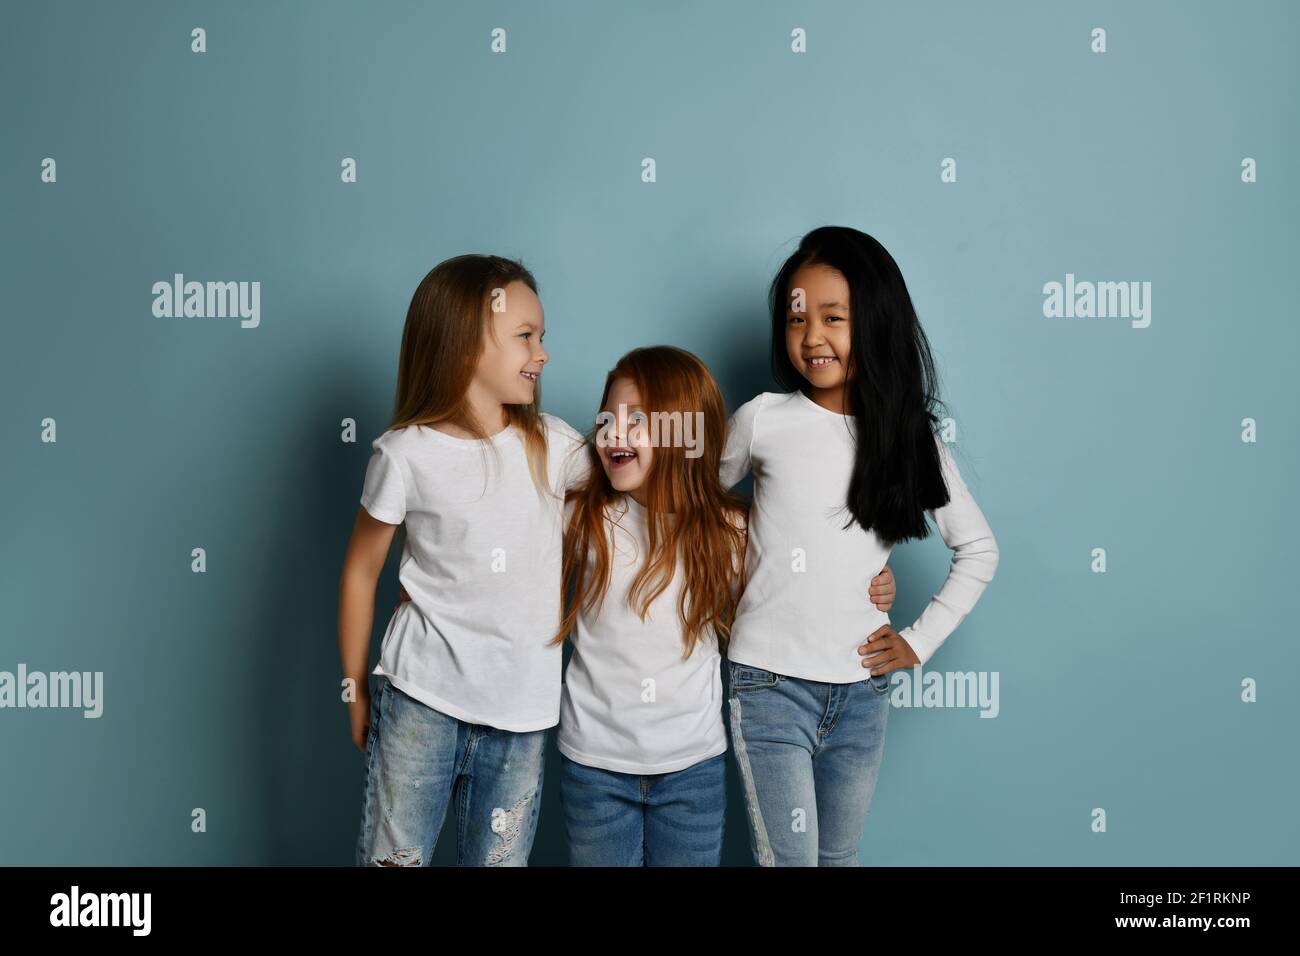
(892, 387)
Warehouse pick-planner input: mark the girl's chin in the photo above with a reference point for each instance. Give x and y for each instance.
(830, 377)
(622, 482)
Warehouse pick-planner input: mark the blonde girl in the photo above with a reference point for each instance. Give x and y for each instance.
(467, 683)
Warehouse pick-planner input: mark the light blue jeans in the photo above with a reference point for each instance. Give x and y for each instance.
(627, 819)
(808, 754)
(418, 760)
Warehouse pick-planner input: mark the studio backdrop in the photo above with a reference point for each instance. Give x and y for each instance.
(1091, 205)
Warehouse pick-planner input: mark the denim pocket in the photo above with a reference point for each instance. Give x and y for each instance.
(746, 677)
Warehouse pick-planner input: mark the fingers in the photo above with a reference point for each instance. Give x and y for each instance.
(880, 640)
(874, 664)
(883, 667)
(882, 590)
(882, 658)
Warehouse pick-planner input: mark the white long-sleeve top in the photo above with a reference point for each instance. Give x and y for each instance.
(806, 607)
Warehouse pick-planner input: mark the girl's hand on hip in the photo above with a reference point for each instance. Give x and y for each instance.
(886, 651)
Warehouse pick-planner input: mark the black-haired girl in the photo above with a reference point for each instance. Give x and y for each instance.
(846, 464)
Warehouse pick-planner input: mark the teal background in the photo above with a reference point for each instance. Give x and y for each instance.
(1118, 690)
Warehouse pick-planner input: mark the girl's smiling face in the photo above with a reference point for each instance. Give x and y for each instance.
(818, 330)
(512, 358)
(626, 454)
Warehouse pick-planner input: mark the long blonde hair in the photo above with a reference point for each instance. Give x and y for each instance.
(446, 324)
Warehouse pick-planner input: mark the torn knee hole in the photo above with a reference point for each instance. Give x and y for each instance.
(508, 825)
(407, 857)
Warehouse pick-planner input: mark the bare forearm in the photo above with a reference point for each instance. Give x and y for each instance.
(356, 617)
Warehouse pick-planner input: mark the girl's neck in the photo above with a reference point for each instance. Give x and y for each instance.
(832, 399)
(490, 415)
(637, 496)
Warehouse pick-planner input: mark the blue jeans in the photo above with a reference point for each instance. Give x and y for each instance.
(808, 754)
(419, 759)
(628, 819)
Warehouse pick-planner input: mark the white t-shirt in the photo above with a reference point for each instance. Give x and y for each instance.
(481, 563)
(806, 607)
(630, 703)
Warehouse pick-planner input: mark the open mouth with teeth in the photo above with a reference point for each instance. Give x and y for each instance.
(621, 457)
(820, 361)
(530, 376)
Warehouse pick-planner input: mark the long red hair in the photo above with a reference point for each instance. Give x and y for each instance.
(706, 530)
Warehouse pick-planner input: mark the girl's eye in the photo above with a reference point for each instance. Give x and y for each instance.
(636, 418)
(793, 319)
(524, 335)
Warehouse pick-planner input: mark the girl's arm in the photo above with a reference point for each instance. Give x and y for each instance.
(736, 460)
(367, 551)
(974, 561)
(571, 447)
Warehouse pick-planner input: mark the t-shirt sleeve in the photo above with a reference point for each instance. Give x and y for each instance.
(974, 560)
(571, 448)
(384, 494)
(736, 459)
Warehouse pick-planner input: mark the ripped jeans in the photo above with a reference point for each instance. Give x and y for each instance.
(808, 754)
(418, 760)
